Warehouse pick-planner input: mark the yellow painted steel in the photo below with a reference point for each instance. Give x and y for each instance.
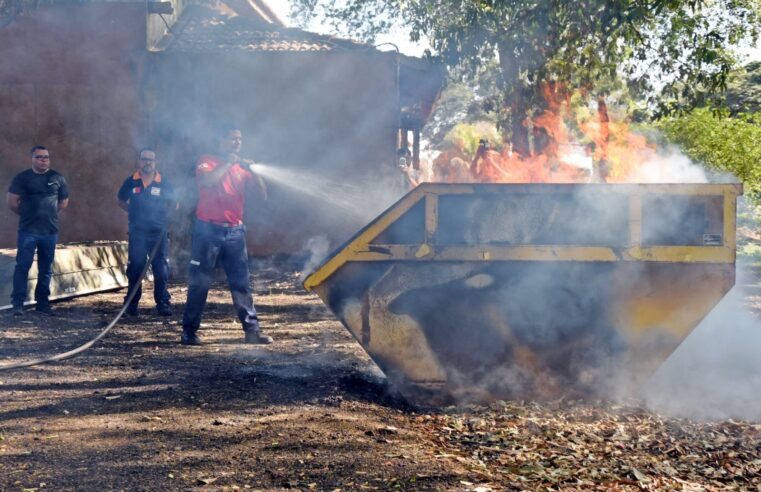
(484, 253)
(656, 310)
(361, 240)
(635, 220)
(431, 217)
(730, 220)
(642, 292)
(358, 248)
(681, 254)
(403, 252)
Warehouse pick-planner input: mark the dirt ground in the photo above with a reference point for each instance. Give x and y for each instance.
(310, 412)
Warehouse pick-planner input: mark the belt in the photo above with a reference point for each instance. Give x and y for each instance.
(223, 224)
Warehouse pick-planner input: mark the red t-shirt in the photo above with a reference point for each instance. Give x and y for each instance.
(222, 202)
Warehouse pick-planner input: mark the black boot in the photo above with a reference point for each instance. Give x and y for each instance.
(164, 309)
(188, 338)
(44, 309)
(254, 334)
(254, 337)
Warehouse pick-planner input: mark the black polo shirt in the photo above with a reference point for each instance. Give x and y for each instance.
(40, 194)
(149, 207)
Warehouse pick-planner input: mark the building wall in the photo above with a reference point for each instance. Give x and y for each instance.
(78, 79)
(70, 79)
(329, 119)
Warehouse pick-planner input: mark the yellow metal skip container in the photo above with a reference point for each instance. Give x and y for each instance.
(531, 290)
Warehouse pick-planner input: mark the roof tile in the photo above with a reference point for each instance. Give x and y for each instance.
(202, 29)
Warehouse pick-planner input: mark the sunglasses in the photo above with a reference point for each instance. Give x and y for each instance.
(42, 157)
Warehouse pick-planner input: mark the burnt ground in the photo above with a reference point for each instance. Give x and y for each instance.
(311, 412)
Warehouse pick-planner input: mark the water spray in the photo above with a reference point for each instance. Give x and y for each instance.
(341, 195)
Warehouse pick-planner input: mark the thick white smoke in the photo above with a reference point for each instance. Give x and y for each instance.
(668, 166)
(316, 249)
(716, 372)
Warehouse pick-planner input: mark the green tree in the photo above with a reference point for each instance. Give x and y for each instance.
(744, 90)
(720, 142)
(674, 53)
(465, 100)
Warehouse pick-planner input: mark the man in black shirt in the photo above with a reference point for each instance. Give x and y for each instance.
(36, 195)
(148, 199)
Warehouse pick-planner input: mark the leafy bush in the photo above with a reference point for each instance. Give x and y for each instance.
(750, 252)
(748, 230)
(720, 142)
(466, 136)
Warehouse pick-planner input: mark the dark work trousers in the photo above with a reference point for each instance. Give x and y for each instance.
(141, 243)
(227, 245)
(44, 244)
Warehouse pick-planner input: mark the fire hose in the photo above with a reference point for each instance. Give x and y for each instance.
(104, 332)
(128, 300)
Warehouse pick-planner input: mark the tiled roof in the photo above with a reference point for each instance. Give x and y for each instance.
(201, 29)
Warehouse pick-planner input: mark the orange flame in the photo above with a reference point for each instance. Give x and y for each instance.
(613, 150)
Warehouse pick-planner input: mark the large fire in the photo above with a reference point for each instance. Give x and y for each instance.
(570, 145)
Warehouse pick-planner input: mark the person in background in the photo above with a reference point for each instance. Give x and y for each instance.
(484, 167)
(455, 170)
(148, 199)
(36, 196)
(219, 235)
(450, 165)
(410, 175)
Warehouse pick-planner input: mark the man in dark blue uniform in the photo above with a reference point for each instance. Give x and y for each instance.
(148, 199)
(36, 195)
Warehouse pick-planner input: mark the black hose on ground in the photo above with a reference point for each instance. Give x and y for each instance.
(82, 348)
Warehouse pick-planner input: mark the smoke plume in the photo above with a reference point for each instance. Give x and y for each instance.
(716, 372)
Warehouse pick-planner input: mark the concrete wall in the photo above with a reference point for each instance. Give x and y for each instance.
(79, 80)
(70, 79)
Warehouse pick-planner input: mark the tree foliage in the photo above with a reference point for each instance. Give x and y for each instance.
(744, 90)
(465, 101)
(720, 142)
(675, 54)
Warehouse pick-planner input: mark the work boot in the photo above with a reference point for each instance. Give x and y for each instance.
(44, 309)
(18, 310)
(188, 338)
(164, 310)
(132, 311)
(255, 337)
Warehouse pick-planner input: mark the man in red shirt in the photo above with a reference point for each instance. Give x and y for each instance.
(219, 235)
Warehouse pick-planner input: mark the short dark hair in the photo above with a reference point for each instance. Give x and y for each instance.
(36, 148)
(145, 149)
(403, 152)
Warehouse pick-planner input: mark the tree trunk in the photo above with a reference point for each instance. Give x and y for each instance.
(515, 99)
(518, 116)
(603, 165)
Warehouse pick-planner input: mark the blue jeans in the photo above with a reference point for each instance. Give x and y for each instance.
(140, 246)
(214, 244)
(28, 243)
